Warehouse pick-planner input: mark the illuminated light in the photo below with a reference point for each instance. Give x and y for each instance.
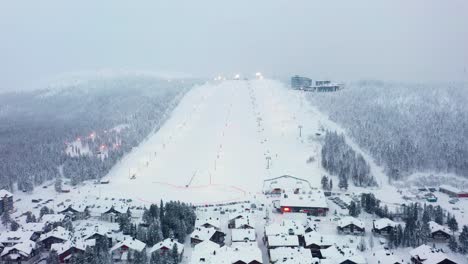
(237, 77)
(286, 209)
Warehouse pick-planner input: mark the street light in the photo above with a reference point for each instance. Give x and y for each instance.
(300, 130)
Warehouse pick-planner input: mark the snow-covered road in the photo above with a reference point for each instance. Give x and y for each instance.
(217, 144)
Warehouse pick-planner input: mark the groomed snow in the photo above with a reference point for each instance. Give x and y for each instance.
(215, 145)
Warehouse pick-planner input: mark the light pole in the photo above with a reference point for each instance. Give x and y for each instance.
(300, 130)
(268, 158)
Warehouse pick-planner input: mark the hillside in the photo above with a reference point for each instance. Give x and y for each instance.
(109, 115)
(406, 128)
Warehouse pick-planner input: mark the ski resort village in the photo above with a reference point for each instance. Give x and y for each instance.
(241, 170)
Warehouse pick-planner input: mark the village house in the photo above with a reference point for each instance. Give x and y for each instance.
(113, 213)
(37, 228)
(276, 241)
(384, 226)
(92, 230)
(11, 238)
(243, 235)
(351, 225)
(75, 212)
(316, 242)
(67, 249)
(124, 250)
(427, 255)
(6, 201)
(297, 255)
(211, 221)
(245, 253)
(201, 234)
(439, 232)
(54, 219)
(25, 252)
(57, 235)
(341, 255)
(233, 217)
(207, 252)
(166, 246)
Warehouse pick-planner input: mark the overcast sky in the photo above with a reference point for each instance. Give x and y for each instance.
(416, 40)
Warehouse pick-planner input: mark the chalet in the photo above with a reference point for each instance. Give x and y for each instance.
(67, 249)
(439, 232)
(123, 250)
(427, 255)
(201, 234)
(25, 252)
(244, 223)
(166, 246)
(6, 201)
(57, 235)
(93, 231)
(11, 238)
(310, 203)
(243, 235)
(452, 191)
(245, 253)
(341, 255)
(206, 252)
(113, 213)
(351, 225)
(75, 212)
(383, 226)
(233, 217)
(316, 242)
(298, 255)
(276, 241)
(37, 228)
(211, 221)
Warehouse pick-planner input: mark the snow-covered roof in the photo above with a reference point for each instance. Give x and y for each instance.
(315, 238)
(34, 227)
(242, 222)
(243, 235)
(24, 248)
(52, 218)
(449, 188)
(132, 243)
(208, 252)
(169, 244)
(384, 222)
(63, 247)
(348, 220)
(338, 254)
(298, 255)
(311, 199)
(5, 193)
(211, 220)
(58, 232)
(283, 241)
(15, 237)
(436, 227)
(203, 233)
(384, 256)
(428, 255)
(86, 229)
(287, 227)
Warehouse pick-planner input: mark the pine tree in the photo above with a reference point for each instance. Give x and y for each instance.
(175, 254)
(330, 185)
(343, 183)
(453, 225)
(6, 218)
(325, 182)
(371, 241)
(452, 244)
(463, 240)
(14, 226)
(58, 184)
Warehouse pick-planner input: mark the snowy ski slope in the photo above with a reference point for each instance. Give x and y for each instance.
(217, 144)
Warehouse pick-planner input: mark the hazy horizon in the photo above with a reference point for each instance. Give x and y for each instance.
(397, 40)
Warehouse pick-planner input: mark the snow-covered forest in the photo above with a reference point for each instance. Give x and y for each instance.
(36, 127)
(340, 159)
(406, 128)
